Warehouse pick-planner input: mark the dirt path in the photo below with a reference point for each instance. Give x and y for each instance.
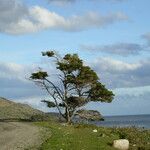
(19, 136)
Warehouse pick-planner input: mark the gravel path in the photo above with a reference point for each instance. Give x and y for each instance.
(19, 136)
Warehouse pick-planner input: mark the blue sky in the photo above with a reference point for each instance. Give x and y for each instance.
(112, 36)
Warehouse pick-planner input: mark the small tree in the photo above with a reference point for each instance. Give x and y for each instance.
(79, 84)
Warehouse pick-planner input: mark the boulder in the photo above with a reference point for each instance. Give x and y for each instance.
(95, 130)
(122, 144)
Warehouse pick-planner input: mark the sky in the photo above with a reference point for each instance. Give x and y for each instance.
(111, 36)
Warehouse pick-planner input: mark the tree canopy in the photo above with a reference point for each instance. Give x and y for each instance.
(79, 84)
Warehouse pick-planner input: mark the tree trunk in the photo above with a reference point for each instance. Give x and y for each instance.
(68, 118)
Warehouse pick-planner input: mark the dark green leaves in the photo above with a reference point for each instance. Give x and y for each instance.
(69, 63)
(75, 101)
(49, 103)
(39, 75)
(86, 76)
(99, 93)
(48, 53)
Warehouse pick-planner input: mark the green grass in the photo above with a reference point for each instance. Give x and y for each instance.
(82, 137)
(76, 138)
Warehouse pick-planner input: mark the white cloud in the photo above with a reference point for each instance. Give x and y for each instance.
(10, 12)
(15, 71)
(119, 74)
(109, 64)
(16, 18)
(14, 81)
(11, 70)
(133, 91)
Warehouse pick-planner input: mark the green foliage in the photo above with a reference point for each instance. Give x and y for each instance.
(48, 53)
(49, 103)
(74, 101)
(79, 84)
(85, 76)
(39, 75)
(98, 92)
(69, 63)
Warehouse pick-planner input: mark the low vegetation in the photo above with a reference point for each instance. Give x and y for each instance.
(21, 112)
(83, 137)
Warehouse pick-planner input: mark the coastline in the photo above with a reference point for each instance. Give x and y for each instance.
(138, 121)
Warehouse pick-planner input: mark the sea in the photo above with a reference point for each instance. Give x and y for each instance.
(141, 121)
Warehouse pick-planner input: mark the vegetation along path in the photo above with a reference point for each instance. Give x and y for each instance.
(19, 136)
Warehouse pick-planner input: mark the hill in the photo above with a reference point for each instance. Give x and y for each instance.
(16, 111)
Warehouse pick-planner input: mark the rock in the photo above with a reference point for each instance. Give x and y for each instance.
(92, 115)
(95, 130)
(122, 144)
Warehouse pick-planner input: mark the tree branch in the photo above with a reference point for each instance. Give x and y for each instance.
(57, 105)
(56, 88)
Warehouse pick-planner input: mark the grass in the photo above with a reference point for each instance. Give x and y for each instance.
(82, 137)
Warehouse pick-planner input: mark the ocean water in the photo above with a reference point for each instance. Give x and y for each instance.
(125, 121)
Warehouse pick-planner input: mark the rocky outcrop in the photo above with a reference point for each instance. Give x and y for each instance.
(89, 115)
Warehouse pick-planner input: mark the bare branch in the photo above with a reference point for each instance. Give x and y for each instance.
(57, 105)
(56, 88)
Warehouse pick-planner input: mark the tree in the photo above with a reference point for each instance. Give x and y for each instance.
(79, 84)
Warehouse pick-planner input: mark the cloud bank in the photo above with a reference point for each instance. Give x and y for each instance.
(119, 74)
(113, 73)
(17, 18)
(14, 81)
(121, 48)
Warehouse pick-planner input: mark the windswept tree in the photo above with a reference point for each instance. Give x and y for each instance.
(79, 84)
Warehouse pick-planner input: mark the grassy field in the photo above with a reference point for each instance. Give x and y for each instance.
(82, 137)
